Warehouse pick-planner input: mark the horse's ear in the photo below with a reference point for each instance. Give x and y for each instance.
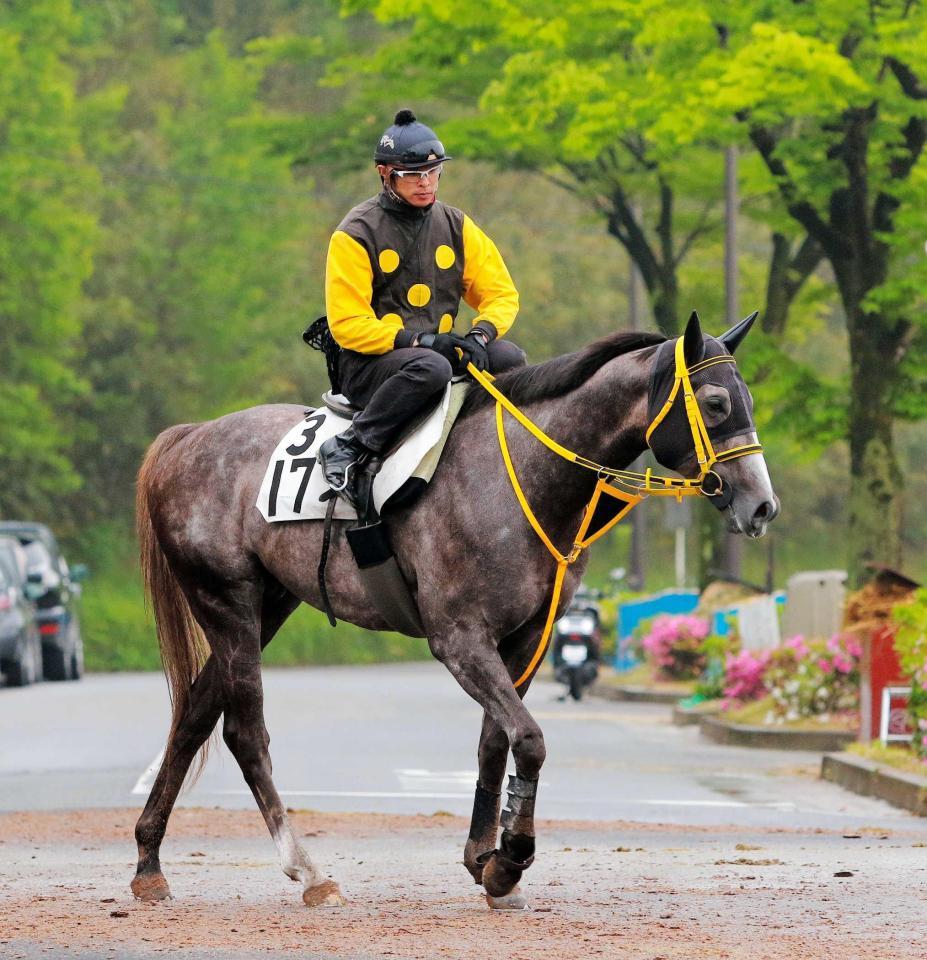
(693, 345)
(731, 339)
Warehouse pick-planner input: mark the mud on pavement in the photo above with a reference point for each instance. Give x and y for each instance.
(614, 889)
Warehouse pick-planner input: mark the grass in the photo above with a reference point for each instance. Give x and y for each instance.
(754, 715)
(708, 707)
(643, 676)
(897, 757)
(119, 634)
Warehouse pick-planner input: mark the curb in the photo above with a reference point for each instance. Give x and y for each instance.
(636, 694)
(897, 787)
(771, 738)
(686, 717)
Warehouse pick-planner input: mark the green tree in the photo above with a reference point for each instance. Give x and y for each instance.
(46, 240)
(199, 295)
(630, 102)
(833, 97)
(582, 93)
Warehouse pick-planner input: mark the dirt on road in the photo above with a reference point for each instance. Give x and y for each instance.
(628, 890)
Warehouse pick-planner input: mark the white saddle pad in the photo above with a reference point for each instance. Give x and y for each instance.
(294, 488)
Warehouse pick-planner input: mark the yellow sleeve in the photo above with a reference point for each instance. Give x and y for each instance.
(348, 295)
(488, 288)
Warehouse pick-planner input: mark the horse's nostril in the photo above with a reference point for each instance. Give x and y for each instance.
(765, 512)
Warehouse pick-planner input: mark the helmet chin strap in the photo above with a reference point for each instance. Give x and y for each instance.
(390, 192)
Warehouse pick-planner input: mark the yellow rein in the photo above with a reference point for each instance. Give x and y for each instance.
(638, 485)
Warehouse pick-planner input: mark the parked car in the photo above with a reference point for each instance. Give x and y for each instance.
(20, 641)
(58, 588)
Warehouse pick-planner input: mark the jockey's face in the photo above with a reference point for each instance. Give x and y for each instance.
(417, 191)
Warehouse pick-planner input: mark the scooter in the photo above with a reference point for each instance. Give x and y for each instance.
(576, 646)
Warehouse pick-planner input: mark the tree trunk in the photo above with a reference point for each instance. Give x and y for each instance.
(875, 477)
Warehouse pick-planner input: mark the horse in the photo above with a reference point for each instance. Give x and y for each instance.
(222, 581)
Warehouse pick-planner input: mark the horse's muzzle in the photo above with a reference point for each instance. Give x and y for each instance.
(763, 515)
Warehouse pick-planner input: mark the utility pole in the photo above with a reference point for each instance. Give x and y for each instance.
(637, 565)
(733, 550)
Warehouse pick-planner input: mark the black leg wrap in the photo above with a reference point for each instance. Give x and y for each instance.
(481, 840)
(485, 812)
(502, 868)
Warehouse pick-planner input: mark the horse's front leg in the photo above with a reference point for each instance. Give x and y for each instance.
(478, 667)
(484, 823)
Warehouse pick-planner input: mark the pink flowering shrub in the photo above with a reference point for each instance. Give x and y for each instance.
(813, 678)
(911, 646)
(743, 676)
(674, 645)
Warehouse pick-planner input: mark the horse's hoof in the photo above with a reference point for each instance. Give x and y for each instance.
(514, 900)
(325, 894)
(150, 887)
(499, 878)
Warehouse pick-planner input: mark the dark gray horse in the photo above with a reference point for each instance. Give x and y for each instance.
(222, 580)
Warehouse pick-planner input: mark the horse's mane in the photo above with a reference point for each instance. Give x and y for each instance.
(554, 378)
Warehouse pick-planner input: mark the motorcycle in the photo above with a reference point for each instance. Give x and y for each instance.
(577, 640)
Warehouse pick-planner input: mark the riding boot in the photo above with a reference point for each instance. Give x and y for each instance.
(343, 458)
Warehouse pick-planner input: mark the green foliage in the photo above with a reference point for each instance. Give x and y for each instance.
(46, 238)
(911, 646)
(171, 172)
(195, 307)
(715, 647)
(633, 99)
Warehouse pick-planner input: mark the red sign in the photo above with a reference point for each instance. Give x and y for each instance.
(880, 670)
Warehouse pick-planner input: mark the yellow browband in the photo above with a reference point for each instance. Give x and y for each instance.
(637, 486)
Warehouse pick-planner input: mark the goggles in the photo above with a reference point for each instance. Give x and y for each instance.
(423, 175)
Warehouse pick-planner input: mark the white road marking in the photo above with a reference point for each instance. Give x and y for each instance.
(145, 782)
(355, 793)
(418, 780)
(715, 803)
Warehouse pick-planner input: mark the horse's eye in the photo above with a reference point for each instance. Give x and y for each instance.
(715, 404)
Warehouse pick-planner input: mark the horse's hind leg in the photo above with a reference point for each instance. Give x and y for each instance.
(203, 709)
(246, 736)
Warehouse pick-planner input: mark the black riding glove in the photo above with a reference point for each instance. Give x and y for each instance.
(479, 355)
(447, 344)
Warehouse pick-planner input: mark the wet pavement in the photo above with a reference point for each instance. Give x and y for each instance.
(402, 738)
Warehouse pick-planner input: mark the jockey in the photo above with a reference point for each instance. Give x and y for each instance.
(398, 266)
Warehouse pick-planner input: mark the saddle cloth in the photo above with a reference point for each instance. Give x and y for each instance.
(294, 488)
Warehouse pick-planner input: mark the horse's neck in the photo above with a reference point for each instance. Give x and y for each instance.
(603, 420)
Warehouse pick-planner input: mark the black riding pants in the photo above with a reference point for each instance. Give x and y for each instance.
(394, 388)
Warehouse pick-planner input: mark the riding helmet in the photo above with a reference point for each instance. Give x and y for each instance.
(409, 144)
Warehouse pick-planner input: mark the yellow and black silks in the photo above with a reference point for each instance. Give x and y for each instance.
(394, 271)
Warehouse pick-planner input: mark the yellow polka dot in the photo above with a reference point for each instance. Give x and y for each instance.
(446, 324)
(389, 260)
(391, 318)
(445, 256)
(418, 294)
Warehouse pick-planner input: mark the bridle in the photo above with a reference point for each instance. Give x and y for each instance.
(626, 486)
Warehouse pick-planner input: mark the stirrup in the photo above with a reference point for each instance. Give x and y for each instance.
(340, 488)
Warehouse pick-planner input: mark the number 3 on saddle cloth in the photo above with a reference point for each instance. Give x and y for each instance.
(294, 488)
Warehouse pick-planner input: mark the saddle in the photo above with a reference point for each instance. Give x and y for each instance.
(294, 489)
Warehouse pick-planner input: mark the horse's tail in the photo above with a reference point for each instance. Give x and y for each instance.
(184, 649)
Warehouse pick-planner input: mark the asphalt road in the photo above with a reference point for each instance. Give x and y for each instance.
(402, 739)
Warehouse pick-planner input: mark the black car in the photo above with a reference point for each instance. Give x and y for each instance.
(20, 642)
(58, 589)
